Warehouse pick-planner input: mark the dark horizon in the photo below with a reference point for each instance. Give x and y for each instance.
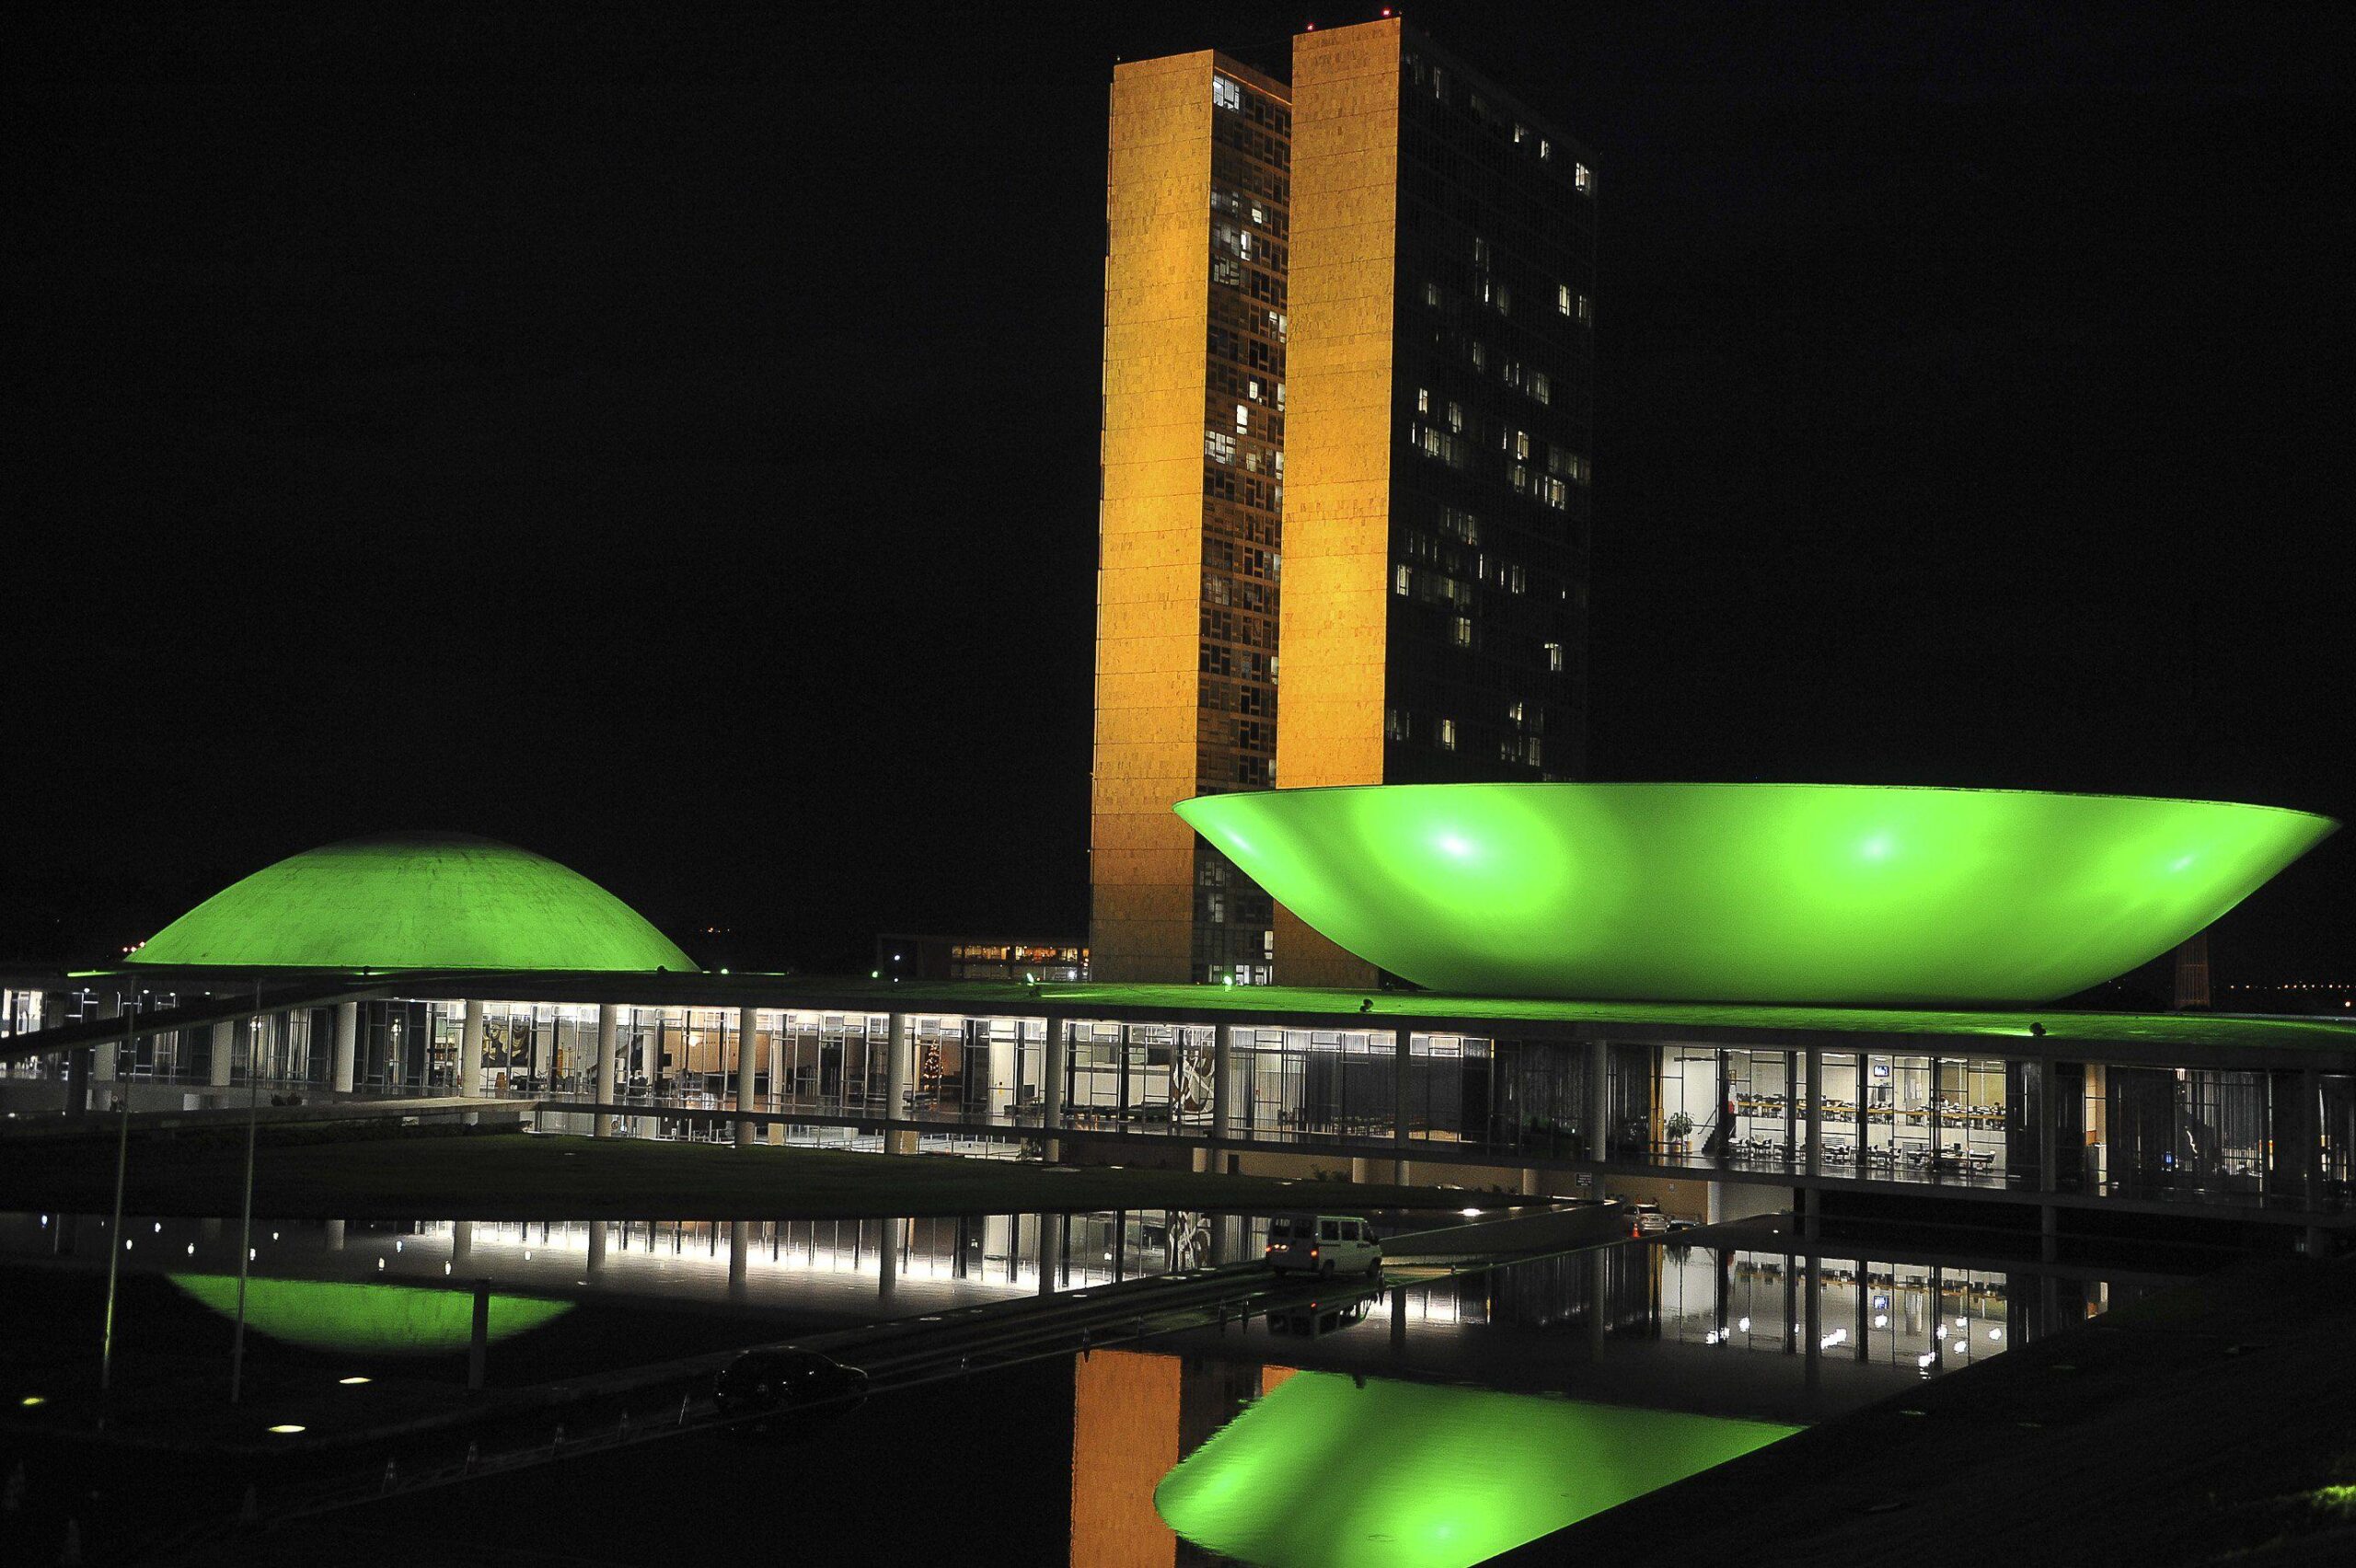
(667, 442)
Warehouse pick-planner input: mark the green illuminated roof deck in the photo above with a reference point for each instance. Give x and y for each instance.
(367, 1320)
(1849, 895)
(419, 901)
(1328, 1471)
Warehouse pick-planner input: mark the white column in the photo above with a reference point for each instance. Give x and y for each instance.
(1402, 1103)
(470, 1051)
(1816, 1110)
(748, 1029)
(1598, 1097)
(347, 1044)
(899, 1046)
(224, 1051)
(1004, 1053)
(109, 1052)
(606, 1084)
(1222, 1088)
(1051, 1093)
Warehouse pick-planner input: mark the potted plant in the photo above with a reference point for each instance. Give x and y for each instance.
(1680, 1126)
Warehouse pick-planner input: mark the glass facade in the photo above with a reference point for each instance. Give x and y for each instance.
(2241, 1138)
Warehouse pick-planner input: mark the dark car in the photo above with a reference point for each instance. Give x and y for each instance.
(775, 1382)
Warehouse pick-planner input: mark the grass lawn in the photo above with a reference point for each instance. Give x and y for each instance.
(519, 1176)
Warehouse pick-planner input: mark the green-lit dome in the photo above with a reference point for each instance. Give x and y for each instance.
(414, 900)
(1856, 895)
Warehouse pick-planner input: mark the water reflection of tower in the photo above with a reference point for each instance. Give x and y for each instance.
(1134, 1416)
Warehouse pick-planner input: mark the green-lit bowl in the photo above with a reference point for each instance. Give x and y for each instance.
(1761, 892)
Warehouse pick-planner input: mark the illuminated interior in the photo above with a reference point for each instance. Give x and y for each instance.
(1766, 893)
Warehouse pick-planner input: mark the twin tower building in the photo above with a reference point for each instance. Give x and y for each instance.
(1348, 401)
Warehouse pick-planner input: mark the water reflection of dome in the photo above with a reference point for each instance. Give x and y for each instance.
(367, 1320)
(1326, 1471)
(414, 900)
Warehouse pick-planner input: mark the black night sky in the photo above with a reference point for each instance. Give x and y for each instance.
(668, 439)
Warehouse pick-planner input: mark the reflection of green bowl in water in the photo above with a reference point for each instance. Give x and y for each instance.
(1847, 894)
(367, 1320)
(1324, 1472)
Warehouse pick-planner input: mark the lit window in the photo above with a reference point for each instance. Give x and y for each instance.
(1456, 417)
(1219, 446)
(1464, 632)
(1448, 734)
(1521, 133)
(1242, 417)
(1555, 657)
(1480, 251)
(1580, 177)
(1401, 581)
(1563, 298)
(1226, 94)
(1521, 438)
(1513, 710)
(1539, 387)
(1505, 298)
(1431, 296)
(1423, 400)
(1480, 355)
(1545, 148)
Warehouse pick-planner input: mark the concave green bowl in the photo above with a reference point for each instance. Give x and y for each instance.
(1825, 894)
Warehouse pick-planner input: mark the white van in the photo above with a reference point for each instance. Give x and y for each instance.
(1324, 1244)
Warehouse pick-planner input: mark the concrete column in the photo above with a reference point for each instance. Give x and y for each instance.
(1402, 1102)
(1792, 1110)
(470, 1051)
(1530, 1184)
(898, 1047)
(740, 1249)
(1051, 1251)
(1598, 1096)
(225, 1052)
(462, 1242)
(1811, 1212)
(2310, 1135)
(2048, 1233)
(2049, 1151)
(887, 1267)
(1005, 1056)
(1051, 1093)
(596, 1245)
(1222, 1094)
(78, 1081)
(748, 1029)
(1812, 1347)
(335, 1229)
(346, 1045)
(606, 1086)
(1816, 1110)
(106, 1056)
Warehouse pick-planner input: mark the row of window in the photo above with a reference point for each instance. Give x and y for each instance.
(1526, 750)
(1240, 202)
(1255, 107)
(1507, 128)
